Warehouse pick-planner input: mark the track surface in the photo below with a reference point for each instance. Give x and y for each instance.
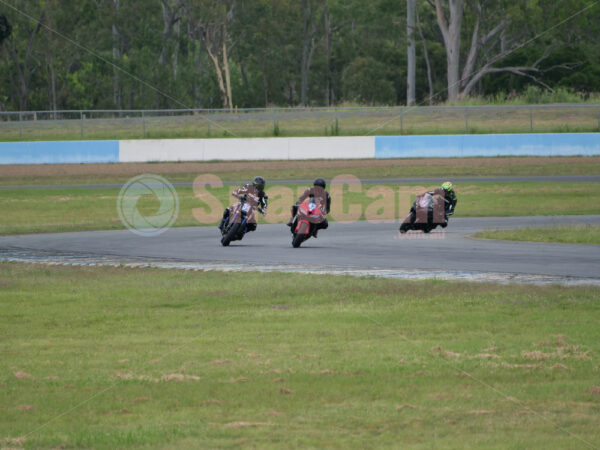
(345, 246)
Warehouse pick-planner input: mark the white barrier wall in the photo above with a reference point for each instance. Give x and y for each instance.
(246, 149)
(160, 150)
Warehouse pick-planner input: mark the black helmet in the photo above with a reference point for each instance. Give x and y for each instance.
(259, 183)
(320, 182)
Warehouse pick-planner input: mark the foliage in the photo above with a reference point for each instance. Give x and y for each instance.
(364, 80)
(5, 28)
(115, 54)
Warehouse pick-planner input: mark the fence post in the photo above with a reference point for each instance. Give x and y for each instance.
(81, 123)
(401, 122)
(466, 120)
(530, 119)
(143, 125)
(599, 120)
(20, 125)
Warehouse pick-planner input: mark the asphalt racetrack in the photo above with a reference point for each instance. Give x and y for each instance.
(359, 248)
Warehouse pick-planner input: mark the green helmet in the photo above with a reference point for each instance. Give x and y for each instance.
(448, 186)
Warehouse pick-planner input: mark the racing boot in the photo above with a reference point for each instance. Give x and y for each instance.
(224, 220)
(294, 211)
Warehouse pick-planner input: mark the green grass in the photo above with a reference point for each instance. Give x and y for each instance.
(340, 122)
(348, 363)
(75, 209)
(572, 234)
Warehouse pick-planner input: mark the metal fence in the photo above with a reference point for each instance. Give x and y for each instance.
(203, 123)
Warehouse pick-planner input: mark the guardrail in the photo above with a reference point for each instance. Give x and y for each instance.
(254, 122)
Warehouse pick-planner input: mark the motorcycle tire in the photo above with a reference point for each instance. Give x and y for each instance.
(298, 239)
(231, 234)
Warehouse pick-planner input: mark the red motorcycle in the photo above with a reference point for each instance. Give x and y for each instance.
(309, 215)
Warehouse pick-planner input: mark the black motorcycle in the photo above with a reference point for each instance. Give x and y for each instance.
(242, 215)
(427, 213)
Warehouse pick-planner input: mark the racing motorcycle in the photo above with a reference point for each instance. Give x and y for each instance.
(242, 218)
(427, 213)
(308, 216)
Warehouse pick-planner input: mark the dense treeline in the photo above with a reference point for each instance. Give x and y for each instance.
(132, 54)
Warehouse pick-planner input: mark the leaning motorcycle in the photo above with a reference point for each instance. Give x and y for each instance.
(427, 213)
(241, 215)
(309, 215)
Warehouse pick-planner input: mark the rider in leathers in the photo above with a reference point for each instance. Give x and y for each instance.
(257, 188)
(321, 197)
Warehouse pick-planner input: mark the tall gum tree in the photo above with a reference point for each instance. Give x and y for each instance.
(210, 21)
(312, 14)
(497, 28)
(411, 68)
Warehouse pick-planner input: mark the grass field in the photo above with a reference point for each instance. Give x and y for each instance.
(573, 234)
(293, 122)
(73, 209)
(110, 358)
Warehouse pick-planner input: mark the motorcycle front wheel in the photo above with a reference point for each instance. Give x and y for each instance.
(231, 234)
(298, 239)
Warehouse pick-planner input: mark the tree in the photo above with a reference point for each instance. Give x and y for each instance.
(21, 48)
(364, 81)
(427, 60)
(311, 14)
(5, 29)
(103, 54)
(411, 53)
(450, 28)
(498, 29)
(172, 15)
(210, 21)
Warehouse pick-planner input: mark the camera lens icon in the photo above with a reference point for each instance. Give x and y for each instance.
(156, 188)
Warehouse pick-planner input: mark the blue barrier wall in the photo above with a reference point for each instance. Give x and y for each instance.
(59, 152)
(555, 144)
